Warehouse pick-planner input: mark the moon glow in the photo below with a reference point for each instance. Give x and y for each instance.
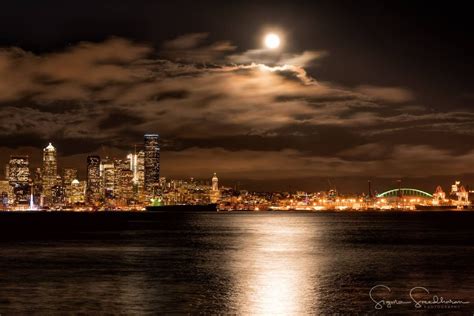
(272, 41)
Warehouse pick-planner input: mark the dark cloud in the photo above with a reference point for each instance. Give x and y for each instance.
(172, 94)
(192, 48)
(388, 94)
(217, 108)
(119, 119)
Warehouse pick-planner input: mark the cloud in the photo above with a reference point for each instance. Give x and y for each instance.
(192, 48)
(212, 104)
(388, 94)
(276, 58)
(187, 41)
(370, 151)
(70, 74)
(403, 160)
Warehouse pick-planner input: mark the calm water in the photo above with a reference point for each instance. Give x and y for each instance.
(242, 263)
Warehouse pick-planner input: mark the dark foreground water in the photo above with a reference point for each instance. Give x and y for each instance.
(241, 263)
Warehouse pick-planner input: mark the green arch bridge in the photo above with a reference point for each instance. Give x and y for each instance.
(405, 192)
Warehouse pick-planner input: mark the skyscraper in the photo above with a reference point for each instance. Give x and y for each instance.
(18, 170)
(37, 186)
(18, 178)
(93, 191)
(69, 175)
(50, 172)
(152, 164)
(77, 192)
(124, 182)
(107, 173)
(57, 195)
(137, 165)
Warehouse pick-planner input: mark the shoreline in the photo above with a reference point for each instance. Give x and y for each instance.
(190, 211)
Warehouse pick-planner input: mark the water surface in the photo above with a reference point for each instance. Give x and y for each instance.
(240, 263)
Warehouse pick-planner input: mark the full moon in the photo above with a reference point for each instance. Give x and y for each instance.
(272, 41)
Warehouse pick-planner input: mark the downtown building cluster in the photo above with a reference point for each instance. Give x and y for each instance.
(109, 182)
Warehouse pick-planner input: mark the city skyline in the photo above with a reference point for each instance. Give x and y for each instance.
(109, 181)
(130, 158)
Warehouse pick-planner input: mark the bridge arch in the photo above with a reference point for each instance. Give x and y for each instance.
(405, 192)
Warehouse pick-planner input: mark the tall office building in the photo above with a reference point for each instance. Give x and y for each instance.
(140, 176)
(123, 182)
(77, 192)
(58, 195)
(18, 170)
(107, 173)
(132, 160)
(18, 178)
(69, 175)
(137, 165)
(49, 173)
(37, 186)
(152, 164)
(93, 190)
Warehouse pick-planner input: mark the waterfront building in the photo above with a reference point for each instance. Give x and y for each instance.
(459, 193)
(439, 194)
(151, 164)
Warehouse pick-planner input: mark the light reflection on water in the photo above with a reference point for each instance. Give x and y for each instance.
(250, 264)
(280, 260)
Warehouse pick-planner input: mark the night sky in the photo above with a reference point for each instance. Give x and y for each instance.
(359, 90)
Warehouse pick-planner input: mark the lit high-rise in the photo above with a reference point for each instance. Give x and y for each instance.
(49, 172)
(137, 165)
(18, 170)
(123, 182)
(77, 192)
(93, 190)
(69, 175)
(152, 164)
(18, 177)
(107, 173)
